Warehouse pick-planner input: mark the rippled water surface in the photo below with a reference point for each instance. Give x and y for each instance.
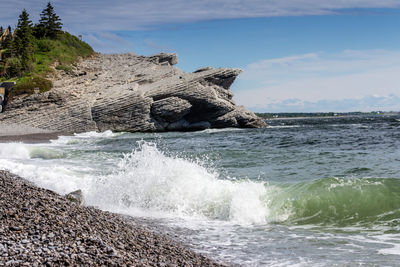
(320, 192)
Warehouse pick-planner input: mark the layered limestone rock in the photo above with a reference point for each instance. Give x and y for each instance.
(126, 92)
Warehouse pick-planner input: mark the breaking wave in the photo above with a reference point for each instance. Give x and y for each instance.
(150, 181)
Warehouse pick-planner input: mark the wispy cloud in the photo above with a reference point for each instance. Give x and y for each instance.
(95, 18)
(310, 79)
(108, 42)
(104, 15)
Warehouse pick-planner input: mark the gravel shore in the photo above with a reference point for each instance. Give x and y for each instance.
(32, 138)
(41, 228)
(8, 129)
(21, 133)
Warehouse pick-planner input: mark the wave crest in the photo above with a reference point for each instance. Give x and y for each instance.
(340, 201)
(149, 179)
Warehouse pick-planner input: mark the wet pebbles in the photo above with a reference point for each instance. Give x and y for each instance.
(41, 228)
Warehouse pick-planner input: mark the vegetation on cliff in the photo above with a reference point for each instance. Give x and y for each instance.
(28, 53)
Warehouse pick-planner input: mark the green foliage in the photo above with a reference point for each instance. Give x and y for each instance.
(66, 50)
(43, 45)
(23, 41)
(66, 69)
(13, 67)
(30, 54)
(27, 85)
(49, 24)
(2, 70)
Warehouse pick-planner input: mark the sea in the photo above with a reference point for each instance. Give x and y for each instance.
(301, 192)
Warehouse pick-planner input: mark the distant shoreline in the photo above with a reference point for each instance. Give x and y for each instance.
(305, 117)
(321, 115)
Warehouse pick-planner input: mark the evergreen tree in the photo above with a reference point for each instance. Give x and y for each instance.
(1, 37)
(23, 40)
(49, 23)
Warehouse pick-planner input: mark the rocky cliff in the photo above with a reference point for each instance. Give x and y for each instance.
(126, 92)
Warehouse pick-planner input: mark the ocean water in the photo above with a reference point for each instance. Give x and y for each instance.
(302, 192)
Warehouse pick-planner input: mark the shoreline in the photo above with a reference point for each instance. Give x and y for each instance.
(40, 227)
(13, 132)
(32, 138)
(302, 118)
(328, 117)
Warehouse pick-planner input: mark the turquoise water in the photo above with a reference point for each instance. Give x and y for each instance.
(320, 192)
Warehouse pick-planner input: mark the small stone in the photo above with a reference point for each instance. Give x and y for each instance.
(76, 197)
(14, 228)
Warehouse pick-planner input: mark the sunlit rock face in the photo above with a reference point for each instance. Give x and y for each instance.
(126, 92)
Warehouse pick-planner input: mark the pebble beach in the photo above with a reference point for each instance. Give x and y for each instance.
(41, 228)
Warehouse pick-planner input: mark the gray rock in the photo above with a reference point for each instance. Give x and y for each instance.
(178, 126)
(202, 69)
(125, 92)
(172, 59)
(197, 126)
(170, 109)
(51, 235)
(227, 120)
(76, 197)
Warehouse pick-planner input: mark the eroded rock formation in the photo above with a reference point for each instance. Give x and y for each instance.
(126, 92)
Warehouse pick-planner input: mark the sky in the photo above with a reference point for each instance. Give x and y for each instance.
(296, 55)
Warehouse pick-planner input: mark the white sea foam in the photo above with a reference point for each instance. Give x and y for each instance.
(390, 239)
(394, 250)
(36, 163)
(222, 130)
(25, 151)
(84, 137)
(14, 151)
(105, 134)
(148, 179)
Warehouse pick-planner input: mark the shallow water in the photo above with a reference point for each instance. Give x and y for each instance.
(300, 192)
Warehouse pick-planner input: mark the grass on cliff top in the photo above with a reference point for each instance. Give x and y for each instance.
(66, 49)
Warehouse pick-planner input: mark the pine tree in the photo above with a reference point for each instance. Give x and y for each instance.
(1, 37)
(49, 23)
(23, 40)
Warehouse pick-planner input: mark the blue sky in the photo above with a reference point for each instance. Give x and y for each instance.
(297, 55)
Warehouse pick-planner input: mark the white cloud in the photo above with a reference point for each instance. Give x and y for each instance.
(316, 77)
(368, 103)
(91, 18)
(108, 42)
(104, 15)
